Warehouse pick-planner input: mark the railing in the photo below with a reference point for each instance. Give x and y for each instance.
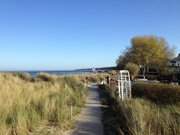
(124, 84)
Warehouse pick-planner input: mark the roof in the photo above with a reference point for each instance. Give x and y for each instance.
(177, 58)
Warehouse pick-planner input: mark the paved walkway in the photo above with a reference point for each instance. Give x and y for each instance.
(89, 121)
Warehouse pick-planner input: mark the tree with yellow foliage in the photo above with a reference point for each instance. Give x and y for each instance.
(147, 52)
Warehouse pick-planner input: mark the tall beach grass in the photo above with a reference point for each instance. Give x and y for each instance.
(154, 110)
(42, 105)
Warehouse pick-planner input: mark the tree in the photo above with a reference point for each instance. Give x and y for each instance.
(133, 69)
(147, 51)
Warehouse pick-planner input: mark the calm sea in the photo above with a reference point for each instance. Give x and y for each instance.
(60, 72)
(74, 72)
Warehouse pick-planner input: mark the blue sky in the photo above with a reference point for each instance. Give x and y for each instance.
(69, 34)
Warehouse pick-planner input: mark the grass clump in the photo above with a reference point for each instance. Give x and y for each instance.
(92, 77)
(39, 106)
(23, 76)
(46, 77)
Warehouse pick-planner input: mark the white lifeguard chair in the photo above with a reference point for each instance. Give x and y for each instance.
(124, 84)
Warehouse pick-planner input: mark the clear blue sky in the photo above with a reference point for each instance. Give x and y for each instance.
(69, 34)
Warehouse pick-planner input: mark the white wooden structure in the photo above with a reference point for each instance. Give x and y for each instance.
(124, 84)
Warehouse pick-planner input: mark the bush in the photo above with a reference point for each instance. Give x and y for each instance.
(158, 93)
(133, 69)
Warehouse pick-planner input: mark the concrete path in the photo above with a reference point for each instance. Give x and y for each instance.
(89, 121)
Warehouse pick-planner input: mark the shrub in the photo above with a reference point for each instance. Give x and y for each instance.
(133, 69)
(158, 93)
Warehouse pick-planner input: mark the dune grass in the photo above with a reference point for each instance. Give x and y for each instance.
(146, 114)
(42, 105)
(92, 77)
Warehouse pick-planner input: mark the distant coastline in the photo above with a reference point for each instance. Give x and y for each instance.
(60, 72)
(63, 72)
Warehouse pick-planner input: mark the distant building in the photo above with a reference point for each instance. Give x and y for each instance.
(175, 62)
